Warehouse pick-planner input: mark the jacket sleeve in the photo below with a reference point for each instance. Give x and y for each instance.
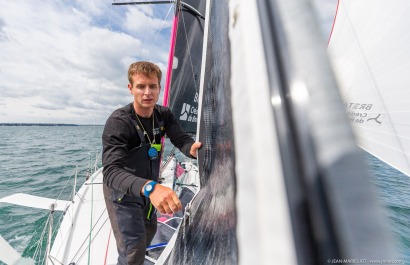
(115, 139)
(179, 138)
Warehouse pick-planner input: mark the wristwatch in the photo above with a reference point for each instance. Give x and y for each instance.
(148, 188)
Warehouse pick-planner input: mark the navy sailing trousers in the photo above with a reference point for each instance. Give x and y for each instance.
(133, 228)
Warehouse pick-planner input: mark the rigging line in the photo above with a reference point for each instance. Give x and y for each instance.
(108, 244)
(373, 79)
(61, 191)
(170, 219)
(98, 231)
(167, 225)
(146, 23)
(63, 239)
(85, 240)
(37, 251)
(162, 25)
(143, 36)
(58, 197)
(97, 105)
(91, 221)
(58, 224)
(98, 108)
(46, 228)
(195, 13)
(168, 77)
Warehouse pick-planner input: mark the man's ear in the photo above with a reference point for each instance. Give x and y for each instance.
(130, 87)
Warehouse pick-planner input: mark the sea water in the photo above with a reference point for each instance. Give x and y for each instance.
(394, 193)
(41, 160)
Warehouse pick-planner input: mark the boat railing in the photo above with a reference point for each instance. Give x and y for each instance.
(50, 225)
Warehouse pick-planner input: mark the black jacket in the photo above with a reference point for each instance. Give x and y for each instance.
(120, 136)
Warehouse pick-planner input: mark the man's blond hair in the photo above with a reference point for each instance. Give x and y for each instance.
(144, 68)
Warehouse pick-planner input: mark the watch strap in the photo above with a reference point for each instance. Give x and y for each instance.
(149, 187)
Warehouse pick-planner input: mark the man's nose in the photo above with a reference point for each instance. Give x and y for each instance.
(147, 91)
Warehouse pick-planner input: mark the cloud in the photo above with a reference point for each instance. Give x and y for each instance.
(67, 61)
(3, 36)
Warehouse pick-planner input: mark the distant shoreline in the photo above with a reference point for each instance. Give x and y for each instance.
(45, 124)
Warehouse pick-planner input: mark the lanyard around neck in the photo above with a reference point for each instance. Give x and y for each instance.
(145, 132)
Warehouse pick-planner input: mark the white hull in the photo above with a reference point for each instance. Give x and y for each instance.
(86, 219)
(85, 235)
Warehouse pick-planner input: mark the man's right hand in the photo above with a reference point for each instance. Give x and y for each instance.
(165, 200)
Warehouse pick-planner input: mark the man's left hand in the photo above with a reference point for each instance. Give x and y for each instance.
(195, 148)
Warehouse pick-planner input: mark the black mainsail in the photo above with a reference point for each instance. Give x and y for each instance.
(184, 85)
(208, 233)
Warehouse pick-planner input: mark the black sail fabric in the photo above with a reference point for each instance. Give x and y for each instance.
(184, 89)
(208, 235)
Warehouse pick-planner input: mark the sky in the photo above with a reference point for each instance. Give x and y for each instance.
(66, 61)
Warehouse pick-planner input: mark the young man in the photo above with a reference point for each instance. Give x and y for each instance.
(131, 161)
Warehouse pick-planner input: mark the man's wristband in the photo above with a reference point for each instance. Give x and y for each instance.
(148, 188)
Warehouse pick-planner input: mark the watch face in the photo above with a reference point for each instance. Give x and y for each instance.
(149, 187)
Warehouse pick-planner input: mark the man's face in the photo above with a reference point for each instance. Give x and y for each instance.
(145, 90)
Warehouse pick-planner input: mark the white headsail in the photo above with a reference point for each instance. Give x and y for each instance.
(369, 47)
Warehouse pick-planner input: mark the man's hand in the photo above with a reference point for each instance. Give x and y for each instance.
(194, 148)
(165, 200)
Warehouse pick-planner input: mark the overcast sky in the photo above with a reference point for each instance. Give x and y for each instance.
(66, 61)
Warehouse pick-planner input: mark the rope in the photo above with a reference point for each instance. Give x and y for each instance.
(162, 26)
(91, 221)
(85, 240)
(38, 249)
(94, 129)
(143, 36)
(91, 241)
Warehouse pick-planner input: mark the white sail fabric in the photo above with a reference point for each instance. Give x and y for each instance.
(369, 48)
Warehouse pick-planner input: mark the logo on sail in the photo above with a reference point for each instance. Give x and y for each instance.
(363, 113)
(188, 113)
